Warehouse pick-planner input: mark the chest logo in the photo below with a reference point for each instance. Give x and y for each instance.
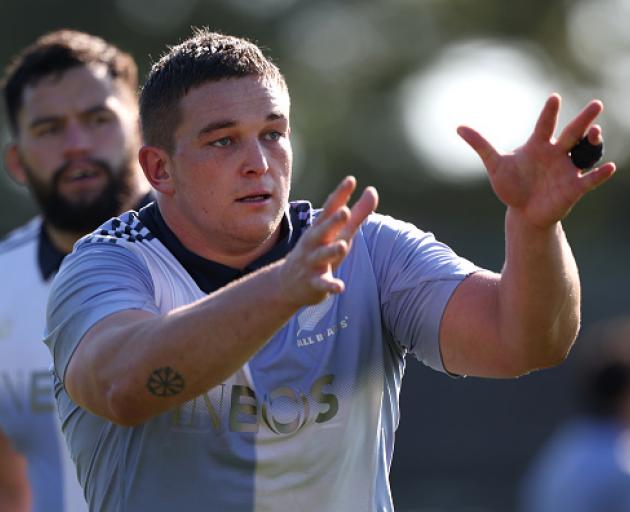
(309, 318)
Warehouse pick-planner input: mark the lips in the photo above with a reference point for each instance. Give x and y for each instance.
(257, 197)
(80, 171)
(78, 174)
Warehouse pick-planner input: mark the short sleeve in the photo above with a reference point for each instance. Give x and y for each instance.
(416, 276)
(94, 282)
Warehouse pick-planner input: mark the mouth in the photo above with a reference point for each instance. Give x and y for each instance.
(254, 198)
(80, 172)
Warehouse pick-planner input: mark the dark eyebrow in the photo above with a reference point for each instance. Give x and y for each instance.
(53, 119)
(216, 125)
(95, 109)
(274, 117)
(219, 125)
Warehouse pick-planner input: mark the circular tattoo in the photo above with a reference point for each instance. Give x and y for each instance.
(165, 382)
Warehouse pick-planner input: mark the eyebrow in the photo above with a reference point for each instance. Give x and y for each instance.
(53, 119)
(219, 125)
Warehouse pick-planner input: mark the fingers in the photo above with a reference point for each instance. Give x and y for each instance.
(576, 129)
(366, 204)
(338, 197)
(327, 230)
(482, 147)
(548, 119)
(330, 237)
(593, 179)
(329, 227)
(330, 254)
(326, 283)
(594, 135)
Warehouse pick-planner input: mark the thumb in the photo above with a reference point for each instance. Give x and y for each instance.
(482, 147)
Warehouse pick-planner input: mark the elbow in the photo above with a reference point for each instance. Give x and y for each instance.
(551, 351)
(124, 408)
(551, 347)
(554, 356)
(561, 342)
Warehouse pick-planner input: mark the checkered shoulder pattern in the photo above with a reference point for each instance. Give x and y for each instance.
(304, 212)
(127, 227)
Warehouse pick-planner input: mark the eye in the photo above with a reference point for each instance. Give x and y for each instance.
(100, 117)
(47, 129)
(222, 142)
(273, 135)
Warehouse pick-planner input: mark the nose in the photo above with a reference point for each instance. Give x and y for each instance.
(255, 159)
(77, 140)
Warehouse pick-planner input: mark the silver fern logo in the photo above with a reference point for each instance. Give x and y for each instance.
(309, 318)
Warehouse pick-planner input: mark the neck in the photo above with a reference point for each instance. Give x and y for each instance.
(224, 249)
(61, 239)
(140, 187)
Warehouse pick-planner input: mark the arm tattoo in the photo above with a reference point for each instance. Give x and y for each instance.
(165, 382)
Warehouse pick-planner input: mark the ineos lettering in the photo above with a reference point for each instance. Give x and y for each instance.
(283, 411)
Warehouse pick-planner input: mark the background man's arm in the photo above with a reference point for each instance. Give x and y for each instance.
(528, 316)
(204, 343)
(14, 489)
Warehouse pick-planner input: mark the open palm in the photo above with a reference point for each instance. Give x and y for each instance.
(539, 178)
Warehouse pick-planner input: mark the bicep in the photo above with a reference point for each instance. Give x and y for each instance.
(470, 338)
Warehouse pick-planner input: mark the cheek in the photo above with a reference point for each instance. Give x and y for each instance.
(115, 143)
(283, 156)
(42, 157)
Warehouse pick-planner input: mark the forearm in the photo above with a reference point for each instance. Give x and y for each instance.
(203, 343)
(539, 292)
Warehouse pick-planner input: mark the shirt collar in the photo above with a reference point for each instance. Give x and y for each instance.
(49, 258)
(211, 275)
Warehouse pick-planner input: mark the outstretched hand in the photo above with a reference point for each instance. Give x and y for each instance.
(539, 179)
(308, 269)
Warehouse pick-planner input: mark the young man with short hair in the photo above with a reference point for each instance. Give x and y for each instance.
(225, 349)
(71, 102)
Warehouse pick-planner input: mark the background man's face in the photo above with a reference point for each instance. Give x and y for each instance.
(77, 137)
(232, 161)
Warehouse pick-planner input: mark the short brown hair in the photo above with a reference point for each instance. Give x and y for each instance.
(55, 53)
(205, 57)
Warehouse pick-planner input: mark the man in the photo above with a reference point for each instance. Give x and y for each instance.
(227, 350)
(71, 103)
(585, 466)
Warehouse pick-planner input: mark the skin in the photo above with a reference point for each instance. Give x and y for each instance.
(233, 142)
(14, 490)
(527, 317)
(77, 116)
(494, 325)
(80, 115)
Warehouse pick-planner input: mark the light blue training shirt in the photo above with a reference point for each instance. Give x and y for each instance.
(308, 423)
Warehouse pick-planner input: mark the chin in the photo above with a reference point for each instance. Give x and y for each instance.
(256, 235)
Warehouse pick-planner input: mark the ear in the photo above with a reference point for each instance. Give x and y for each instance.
(13, 164)
(155, 163)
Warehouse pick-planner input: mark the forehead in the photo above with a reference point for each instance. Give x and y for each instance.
(238, 100)
(71, 92)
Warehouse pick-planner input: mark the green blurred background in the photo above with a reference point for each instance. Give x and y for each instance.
(378, 88)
